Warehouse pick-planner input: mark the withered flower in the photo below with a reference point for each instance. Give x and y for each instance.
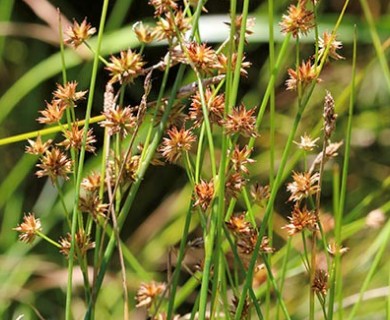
(119, 120)
(304, 185)
(204, 192)
(329, 39)
(126, 68)
(144, 33)
(78, 33)
(298, 20)
(28, 228)
(53, 112)
(305, 75)
(148, 292)
(163, 6)
(74, 139)
(320, 282)
(178, 141)
(301, 219)
(83, 242)
(37, 147)
(241, 121)
(240, 158)
(166, 27)
(67, 93)
(54, 164)
(307, 143)
(259, 193)
(215, 106)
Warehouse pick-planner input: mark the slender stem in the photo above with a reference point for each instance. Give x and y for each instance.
(75, 214)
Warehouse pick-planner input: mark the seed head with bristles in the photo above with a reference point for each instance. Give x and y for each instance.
(28, 228)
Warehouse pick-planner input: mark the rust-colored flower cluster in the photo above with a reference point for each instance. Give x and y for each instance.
(246, 235)
(28, 228)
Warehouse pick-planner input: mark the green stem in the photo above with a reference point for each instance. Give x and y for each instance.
(68, 314)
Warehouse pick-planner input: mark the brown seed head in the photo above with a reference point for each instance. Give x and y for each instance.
(166, 27)
(83, 242)
(67, 94)
(54, 164)
(92, 182)
(28, 228)
(240, 159)
(329, 39)
(245, 309)
(163, 6)
(53, 112)
(234, 184)
(301, 219)
(147, 293)
(215, 106)
(320, 282)
(307, 143)
(250, 23)
(37, 147)
(119, 120)
(239, 225)
(259, 193)
(204, 192)
(90, 203)
(126, 67)
(306, 75)
(178, 141)
(329, 115)
(297, 21)
(203, 58)
(74, 139)
(241, 121)
(304, 185)
(222, 64)
(144, 33)
(78, 33)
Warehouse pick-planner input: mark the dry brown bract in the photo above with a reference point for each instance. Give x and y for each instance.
(178, 141)
(239, 225)
(28, 228)
(147, 293)
(78, 33)
(126, 68)
(259, 193)
(54, 164)
(222, 64)
(240, 159)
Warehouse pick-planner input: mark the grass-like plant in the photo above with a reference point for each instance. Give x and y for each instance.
(248, 234)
